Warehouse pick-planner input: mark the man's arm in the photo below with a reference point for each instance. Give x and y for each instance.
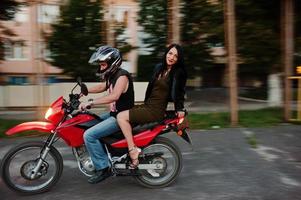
(101, 87)
(119, 88)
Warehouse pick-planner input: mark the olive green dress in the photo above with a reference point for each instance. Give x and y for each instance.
(154, 107)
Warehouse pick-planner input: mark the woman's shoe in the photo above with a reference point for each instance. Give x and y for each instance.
(134, 154)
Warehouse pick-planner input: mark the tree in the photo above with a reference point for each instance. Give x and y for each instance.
(75, 37)
(153, 17)
(121, 38)
(8, 10)
(297, 33)
(200, 31)
(258, 32)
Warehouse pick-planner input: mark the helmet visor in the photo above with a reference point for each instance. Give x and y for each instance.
(100, 56)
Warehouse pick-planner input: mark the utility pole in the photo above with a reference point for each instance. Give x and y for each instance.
(230, 38)
(173, 7)
(36, 61)
(110, 25)
(287, 53)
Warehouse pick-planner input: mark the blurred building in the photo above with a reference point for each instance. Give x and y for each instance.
(123, 12)
(25, 51)
(25, 60)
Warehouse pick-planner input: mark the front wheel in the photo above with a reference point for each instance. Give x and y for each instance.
(165, 153)
(19, 163)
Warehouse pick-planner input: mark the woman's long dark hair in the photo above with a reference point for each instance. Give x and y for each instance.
(179, 63)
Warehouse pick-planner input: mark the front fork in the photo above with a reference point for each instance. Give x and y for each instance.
(44, 152)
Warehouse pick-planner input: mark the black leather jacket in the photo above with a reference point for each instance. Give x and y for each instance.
(177, 83)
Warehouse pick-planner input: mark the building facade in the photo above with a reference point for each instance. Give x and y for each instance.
(25, 60)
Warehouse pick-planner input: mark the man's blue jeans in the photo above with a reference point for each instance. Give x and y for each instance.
(96, 150)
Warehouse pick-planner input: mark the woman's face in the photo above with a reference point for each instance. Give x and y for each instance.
(172, 56)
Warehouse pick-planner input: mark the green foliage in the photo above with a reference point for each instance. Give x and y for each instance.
(260, 118)
(247, 118)
(258, 35)
(8, 10)
(6, 124)
(153, 17)
(252, 141)
(208, 120)
(75, 37)
(200, 31)
(257, 30)
(120, 40)
(202, 27)
(297, 27)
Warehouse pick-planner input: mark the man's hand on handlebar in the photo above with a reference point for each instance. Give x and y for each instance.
(86, 105)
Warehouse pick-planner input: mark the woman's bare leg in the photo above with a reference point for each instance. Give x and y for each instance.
(126, 128)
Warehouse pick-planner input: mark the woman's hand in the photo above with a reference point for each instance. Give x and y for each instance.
(181, 114)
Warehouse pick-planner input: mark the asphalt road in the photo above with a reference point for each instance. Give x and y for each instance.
(221, 166)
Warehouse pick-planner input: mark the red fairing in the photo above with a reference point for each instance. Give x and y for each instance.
(57, 110)
(28, 126)
(142, 139)
(73, 135)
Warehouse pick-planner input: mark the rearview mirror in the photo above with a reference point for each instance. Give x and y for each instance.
(84, 89)
(79, 80)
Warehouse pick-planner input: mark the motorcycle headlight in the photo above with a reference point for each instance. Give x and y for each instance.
(48, 113)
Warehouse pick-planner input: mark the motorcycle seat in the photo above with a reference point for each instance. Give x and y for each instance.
(137, 129)
(142, 127)
(119, 136)
(170, 114)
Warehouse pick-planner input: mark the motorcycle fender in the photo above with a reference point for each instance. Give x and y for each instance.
(30, 126)
(185, 136)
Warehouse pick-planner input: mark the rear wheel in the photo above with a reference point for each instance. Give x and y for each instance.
(164, 153)
(18, 165)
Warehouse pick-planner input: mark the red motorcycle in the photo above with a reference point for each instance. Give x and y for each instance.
(34, 167)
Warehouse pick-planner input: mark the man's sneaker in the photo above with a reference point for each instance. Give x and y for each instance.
(100, 175)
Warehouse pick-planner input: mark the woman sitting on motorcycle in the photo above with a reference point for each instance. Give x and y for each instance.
(167, 84)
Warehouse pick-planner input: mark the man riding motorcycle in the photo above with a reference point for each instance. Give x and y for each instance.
(120, 96)
(34, 167)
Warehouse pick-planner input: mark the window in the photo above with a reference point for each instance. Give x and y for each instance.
(51, 80)
(22, 15)
(17, 80)
(14, 50)
(42, 51)
(48, 13)
(121, 13)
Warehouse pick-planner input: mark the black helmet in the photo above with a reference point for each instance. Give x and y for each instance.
(109, 55)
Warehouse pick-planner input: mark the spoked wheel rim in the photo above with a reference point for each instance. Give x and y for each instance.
(167, 158)
(19, 166)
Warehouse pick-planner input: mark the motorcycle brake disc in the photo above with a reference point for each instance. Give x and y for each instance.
(27, 168)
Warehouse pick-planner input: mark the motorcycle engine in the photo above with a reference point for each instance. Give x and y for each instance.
(84, 160)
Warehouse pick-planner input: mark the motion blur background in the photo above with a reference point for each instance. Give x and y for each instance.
(46, 42)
